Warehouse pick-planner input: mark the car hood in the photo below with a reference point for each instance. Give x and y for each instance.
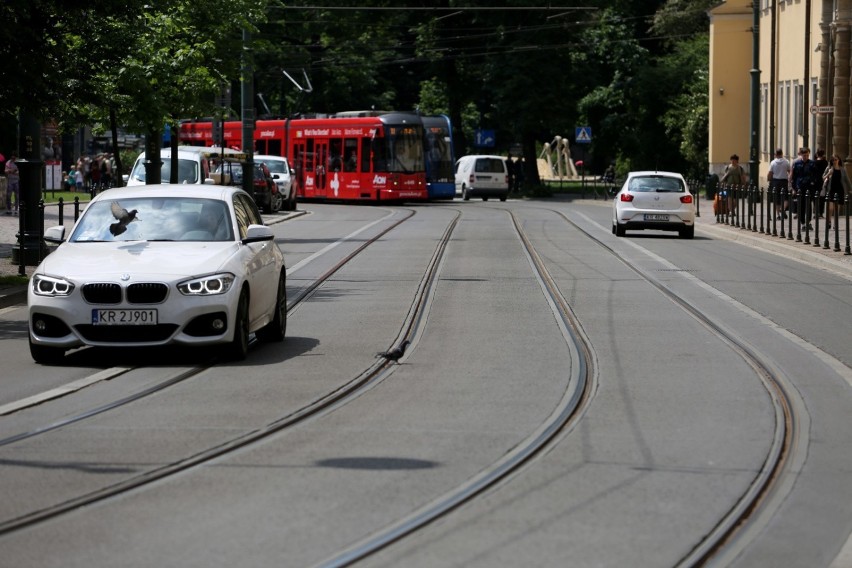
(165, 260)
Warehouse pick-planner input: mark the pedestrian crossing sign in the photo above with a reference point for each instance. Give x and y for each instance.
(583, 134)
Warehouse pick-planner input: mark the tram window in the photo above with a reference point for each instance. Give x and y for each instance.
(350, 150)
(380, 155)
(335, 155)
(273, 148)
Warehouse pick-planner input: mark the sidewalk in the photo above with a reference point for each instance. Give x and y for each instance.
(9, 228)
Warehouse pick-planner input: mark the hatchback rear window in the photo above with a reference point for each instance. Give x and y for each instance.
(490, 165)
(656, 183)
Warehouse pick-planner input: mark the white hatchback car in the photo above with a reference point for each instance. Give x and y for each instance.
(157, 265)
(654, 200)
(279, 167)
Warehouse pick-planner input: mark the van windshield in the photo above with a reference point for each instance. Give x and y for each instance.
(187, 171)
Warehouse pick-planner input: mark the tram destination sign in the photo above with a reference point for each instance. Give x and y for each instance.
(822, 109)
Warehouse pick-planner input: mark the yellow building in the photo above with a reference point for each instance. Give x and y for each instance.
(804, 61)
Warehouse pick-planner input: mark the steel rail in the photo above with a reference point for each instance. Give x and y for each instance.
(344, 393)
(787, 408)
(566, 414)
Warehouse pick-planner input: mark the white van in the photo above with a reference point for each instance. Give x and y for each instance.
(482, 176)
(195, 164)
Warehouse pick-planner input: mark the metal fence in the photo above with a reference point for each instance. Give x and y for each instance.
(786, 214)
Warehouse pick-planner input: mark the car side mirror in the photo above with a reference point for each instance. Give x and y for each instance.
(258, 233)
(55, 235)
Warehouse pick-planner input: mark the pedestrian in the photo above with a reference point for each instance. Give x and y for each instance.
(820, 165)
(13, 184)
(778, 176)
(838, 185)
(734, 175)
(78, 178)
(803, 183)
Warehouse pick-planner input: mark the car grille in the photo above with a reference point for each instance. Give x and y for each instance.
(147, 293)
(102, 293)
(139, 293)
(126, 333)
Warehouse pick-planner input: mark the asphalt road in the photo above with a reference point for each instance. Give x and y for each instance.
(675, 429)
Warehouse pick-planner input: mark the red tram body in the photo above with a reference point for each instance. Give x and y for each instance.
(351, 158)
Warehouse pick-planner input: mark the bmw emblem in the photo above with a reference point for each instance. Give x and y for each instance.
(125, 277)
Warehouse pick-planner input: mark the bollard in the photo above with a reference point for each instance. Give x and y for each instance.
(61, 212)
(76, 208)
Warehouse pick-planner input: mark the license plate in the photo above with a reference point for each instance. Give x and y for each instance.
(124, 317)
(656, 217)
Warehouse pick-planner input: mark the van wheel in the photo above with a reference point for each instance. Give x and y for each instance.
(465, 196)
(484, 199)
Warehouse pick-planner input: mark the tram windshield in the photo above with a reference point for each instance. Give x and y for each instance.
(402, 151)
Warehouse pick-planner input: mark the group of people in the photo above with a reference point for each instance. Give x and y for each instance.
(89, 173)
(823, 181)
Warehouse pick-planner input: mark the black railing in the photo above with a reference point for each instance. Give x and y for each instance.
(785, 213)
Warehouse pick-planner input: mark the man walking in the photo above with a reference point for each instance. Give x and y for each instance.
(779, 172)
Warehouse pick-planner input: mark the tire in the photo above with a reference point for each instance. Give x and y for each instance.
(276, 202)
(290, 204)
(484, 199)
(687, 232)
(238, 348)
(504, 197)
(619, 230)
(465, 196)
(44, 355)
(275, 330)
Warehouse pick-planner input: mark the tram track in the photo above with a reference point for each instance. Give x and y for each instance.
(345, 392)
(719, 542)
(768, 487)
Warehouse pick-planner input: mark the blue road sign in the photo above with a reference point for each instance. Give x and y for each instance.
(484, 138)
(583, 134)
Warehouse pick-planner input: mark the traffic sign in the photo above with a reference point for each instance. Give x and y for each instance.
(583, 134)
(484, 138)
(824, 109)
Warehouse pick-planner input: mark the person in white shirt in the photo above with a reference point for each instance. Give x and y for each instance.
(778, 176)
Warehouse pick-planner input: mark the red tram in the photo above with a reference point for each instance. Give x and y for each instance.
(352, 158)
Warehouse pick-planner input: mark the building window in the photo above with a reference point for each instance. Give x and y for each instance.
(799, 108)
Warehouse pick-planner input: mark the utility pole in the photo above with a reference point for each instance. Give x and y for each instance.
(247, 92)
(755, 95)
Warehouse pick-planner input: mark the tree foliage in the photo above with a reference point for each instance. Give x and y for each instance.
(633, 70)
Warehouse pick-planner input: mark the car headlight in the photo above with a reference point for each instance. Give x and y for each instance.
(50, 286)
(207, 285)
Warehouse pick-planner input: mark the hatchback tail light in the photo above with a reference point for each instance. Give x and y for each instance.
(686, 198)
(626, 197)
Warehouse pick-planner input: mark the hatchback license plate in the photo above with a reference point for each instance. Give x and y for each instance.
(124, 317)
(656, 217)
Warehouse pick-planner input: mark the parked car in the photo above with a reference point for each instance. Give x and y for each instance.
(265, 190)
(482, 176)
(159, 265)
(282, 174)
(654, 200)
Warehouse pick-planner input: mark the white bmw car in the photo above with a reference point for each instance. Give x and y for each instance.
(157, 265)
(654, 200)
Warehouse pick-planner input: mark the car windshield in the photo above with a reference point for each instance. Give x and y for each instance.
(154, 219)
(658, 184)
(276, 166)
(187, 171)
